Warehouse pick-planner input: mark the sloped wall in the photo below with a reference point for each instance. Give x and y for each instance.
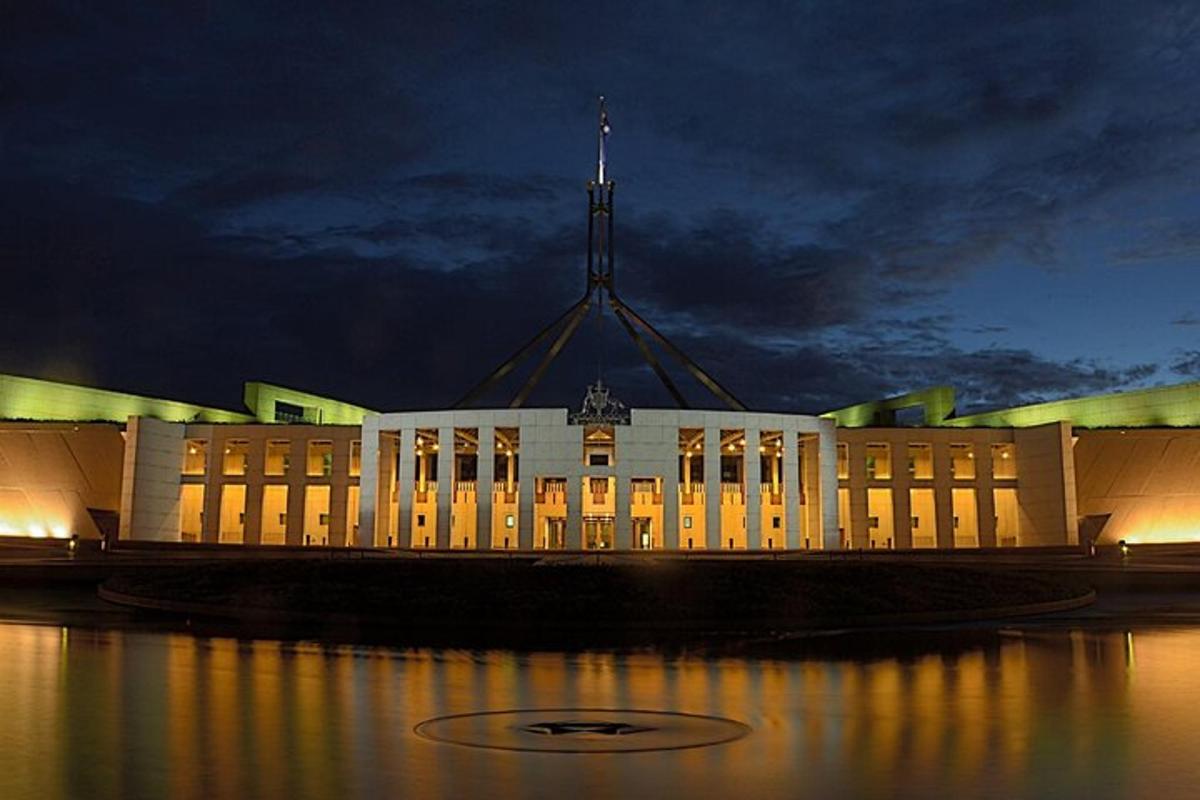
(1148, 481)
(51, 473)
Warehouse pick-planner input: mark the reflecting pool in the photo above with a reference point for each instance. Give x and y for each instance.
(1000, 713)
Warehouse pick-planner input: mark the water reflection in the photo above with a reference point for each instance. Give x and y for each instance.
(1003, 714)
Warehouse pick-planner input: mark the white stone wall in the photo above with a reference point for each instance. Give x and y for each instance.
(150, 480)
(551, 448)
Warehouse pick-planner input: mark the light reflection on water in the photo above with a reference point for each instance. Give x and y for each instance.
(1045, 713)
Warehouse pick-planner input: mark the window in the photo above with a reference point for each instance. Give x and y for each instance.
(316, 514)
(843, 460)
(289, 412)
(420, 520)
(279, 457)
(924, 517)
(731, 469)
(1008, 517)
(352, 507)
(274, 514)
(962, 461)
(775, 522)
(191, 511)
(880, 518)
(320, 459)
(236, 453)
(966, 515)
(233, 513)
(687, 521)
(1004, 461)
(879, 461)
(509, 521)
(599, 441)
(195, 457)
(920, 460)
(355, 458)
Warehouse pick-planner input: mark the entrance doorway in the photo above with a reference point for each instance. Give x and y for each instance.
(554, 537)
(643, 534)
(598, 533)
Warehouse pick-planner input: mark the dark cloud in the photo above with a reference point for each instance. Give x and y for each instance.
(1188, 363)
(381, 202)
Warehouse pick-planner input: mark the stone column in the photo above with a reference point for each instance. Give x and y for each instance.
(942, 499)
(445, 485)
(255, 466)
(791, 489)
(527, 469)
(827, 467)
(901, 499)
(484, 484)
(629, 442)
(210, 529)
(712, 488)
(670, 498)
(752, 476)
(339, 479)
(337, 511)
(576, 488)
(985, 501)
(405, 480)
(902, 514)
(860, 536)
(294, 531)
(368, 493)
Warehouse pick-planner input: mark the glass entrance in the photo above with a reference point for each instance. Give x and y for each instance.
(598, 533)
(554, 537)
(643, 537)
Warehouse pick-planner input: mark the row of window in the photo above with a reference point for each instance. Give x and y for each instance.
(920, 460)
(277, 460)
(314, 525)
(599, 444)
(964, 529)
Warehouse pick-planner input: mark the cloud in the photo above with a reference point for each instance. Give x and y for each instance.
(372, 202)
(1188, 363)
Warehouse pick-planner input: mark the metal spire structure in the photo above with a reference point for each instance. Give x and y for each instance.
(600, 286)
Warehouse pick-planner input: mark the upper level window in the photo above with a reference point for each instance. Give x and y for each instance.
(1004, 460)
(195, 457)
(843, 460)
(320, 459)
(279, 457)
(879, 461)
(599, 445)
(920, 460)
(289, 412)
(237, 452)
(962, 461)
(355, 458)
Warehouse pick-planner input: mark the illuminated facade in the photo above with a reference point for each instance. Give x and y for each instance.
(298, 469)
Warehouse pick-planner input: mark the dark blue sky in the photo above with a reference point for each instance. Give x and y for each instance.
(823, 203)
